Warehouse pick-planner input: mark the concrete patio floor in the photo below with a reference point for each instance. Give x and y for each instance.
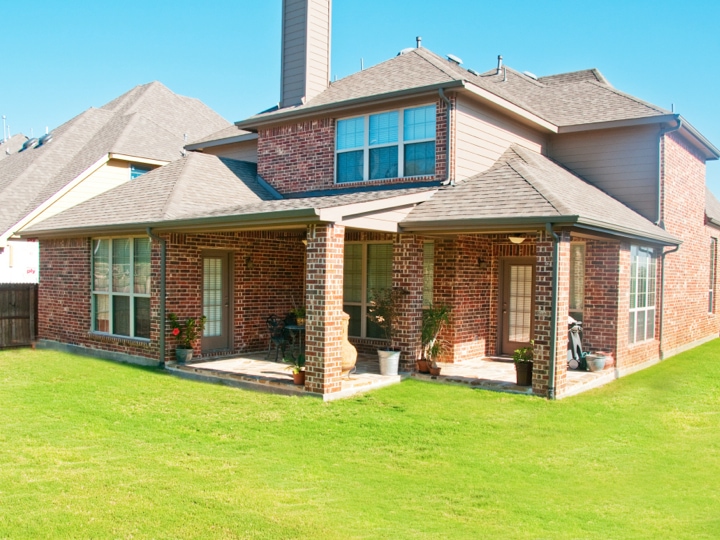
(252, 371)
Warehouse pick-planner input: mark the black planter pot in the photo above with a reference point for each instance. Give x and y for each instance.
(523, 370)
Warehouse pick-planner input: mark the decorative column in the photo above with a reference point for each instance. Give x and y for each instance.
(408, 274)
(543, 313)
(323, 300)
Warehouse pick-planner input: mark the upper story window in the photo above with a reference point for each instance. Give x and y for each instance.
(138, 170)
(393, 144)
(643, 282)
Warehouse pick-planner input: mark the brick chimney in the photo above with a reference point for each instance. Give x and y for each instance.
(305, 50)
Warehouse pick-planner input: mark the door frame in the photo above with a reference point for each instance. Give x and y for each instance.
(218, 343)
(502, 329)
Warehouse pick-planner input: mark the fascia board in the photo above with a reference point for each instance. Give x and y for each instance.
(337, 213)
(222, 142)
(627, 122)
(135, 159)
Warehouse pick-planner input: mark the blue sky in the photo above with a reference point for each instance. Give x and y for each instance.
(60, 58)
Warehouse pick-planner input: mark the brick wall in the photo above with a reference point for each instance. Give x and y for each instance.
(408, 274)
(301, 156)
(602, 289)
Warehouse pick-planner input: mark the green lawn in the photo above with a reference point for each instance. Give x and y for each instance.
(94, 449)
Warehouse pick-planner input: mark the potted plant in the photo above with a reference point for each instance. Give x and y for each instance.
(186, 333)
(383, 310)
(433, 321)
(299, 314)
(523, 358)
(297, 365)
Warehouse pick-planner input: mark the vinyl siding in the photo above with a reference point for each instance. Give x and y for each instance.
(482, 136)
(242, 151)
(622, 162)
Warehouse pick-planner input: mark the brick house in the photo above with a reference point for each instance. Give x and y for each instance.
(517, 201)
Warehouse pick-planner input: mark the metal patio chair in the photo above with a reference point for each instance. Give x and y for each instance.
(277, 336)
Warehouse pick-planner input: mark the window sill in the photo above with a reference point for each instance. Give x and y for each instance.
(103, 336)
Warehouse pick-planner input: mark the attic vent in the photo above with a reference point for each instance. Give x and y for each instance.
(45, 139)
(406, 50)
(531, 75)
(473, 71)
(455, 59)
(30, 143)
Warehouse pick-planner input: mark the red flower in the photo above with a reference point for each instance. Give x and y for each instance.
(176, 332)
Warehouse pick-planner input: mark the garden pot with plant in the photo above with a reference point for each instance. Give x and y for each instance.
(384, 310)
(297, 365)
(433, 320)
(186, 333)
(523, 358)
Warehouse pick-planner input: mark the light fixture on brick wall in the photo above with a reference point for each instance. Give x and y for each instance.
(482, 263)
(248, 263)
(516, 239)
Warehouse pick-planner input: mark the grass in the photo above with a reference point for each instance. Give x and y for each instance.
(94, 449)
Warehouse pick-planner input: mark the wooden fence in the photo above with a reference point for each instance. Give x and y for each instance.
(18, 314)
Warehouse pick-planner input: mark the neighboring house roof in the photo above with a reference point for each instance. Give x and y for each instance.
(712, 208)
(230, 134)
(148, 122)
(525, 189)
(12, 145)
(232, 195)
(565, 99)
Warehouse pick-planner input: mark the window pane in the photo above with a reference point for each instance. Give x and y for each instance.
(350, 133)
(640, 325)
(354, 327)
(352, 274)
(121, 315)
(212, 295)
(102, 313)
(101, 265)
(383, 128)
(142, 317)
(379, 267)
(631, 328)
(420, 159)
(650, 324)
(428, 273)
(142, 265)
(577, 277)
(121, 264)
(419, 123)
(384, 162)
(137, 170)
(350, 166)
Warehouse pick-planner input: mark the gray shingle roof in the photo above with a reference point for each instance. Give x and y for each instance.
(524, 186)
(712, 207)
(225, 133)
(149, 122)
(12, 145)
(564, 99)
(197, 187)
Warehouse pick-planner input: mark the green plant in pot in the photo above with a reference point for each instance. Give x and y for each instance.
(186, 333)
(299, 314)
(434, 318)
(296, 365)
(523, 358)
(384, 310)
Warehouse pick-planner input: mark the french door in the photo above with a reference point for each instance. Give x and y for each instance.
(216, 292)
(517, 301)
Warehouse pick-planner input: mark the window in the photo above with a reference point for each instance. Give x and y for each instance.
(643, 277)
(428, 273)
(393, 144)
(138, 170)
(366, 267)
(713, 257)
(121, 286)
(577, 280)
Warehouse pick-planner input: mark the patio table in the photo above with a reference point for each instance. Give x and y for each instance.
(296, 333)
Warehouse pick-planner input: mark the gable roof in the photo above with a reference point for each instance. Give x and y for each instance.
(148, 122)
(563, 100)
(232, 196)
(522, 190)
(712, 208)
(12, 145)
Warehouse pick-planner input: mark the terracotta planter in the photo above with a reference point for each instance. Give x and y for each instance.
(434, 371)
(183, 355)
(422, 366)
(523, 371)
(299, 378)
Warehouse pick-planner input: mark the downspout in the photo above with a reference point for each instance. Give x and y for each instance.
(662, 298)
(553, 312)
(448, 107)
(663, 132)
(163, 287)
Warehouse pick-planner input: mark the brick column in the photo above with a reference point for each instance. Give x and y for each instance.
(408, 274)
(324, 297)
(543, 313)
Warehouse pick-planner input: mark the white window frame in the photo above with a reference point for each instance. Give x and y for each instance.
(650, 308)
(713, 270)
(131, 294)
(399, 144)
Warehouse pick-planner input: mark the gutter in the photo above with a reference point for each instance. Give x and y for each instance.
(163, 291)
(662, 134)
(662, 298)
(448, 106)
(553, 312)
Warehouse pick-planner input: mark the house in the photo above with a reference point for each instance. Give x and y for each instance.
(515, 200)
(97, 150)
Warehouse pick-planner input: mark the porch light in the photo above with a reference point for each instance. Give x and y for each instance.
(516, 239)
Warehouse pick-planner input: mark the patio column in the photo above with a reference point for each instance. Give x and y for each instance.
(408, 274)
(543, 313)
(324, 297)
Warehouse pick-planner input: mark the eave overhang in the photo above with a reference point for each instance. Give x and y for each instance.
(222, 142)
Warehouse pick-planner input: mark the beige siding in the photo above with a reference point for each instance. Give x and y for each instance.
(622, 162)
(482, 135)
(305, 50)
(243, 151)
(106, 177)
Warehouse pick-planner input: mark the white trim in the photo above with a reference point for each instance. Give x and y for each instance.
(134, 159)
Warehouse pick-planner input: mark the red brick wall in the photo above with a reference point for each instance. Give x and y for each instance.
(687, 272)
(301, 157)
(408, 274)
(602, 288)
